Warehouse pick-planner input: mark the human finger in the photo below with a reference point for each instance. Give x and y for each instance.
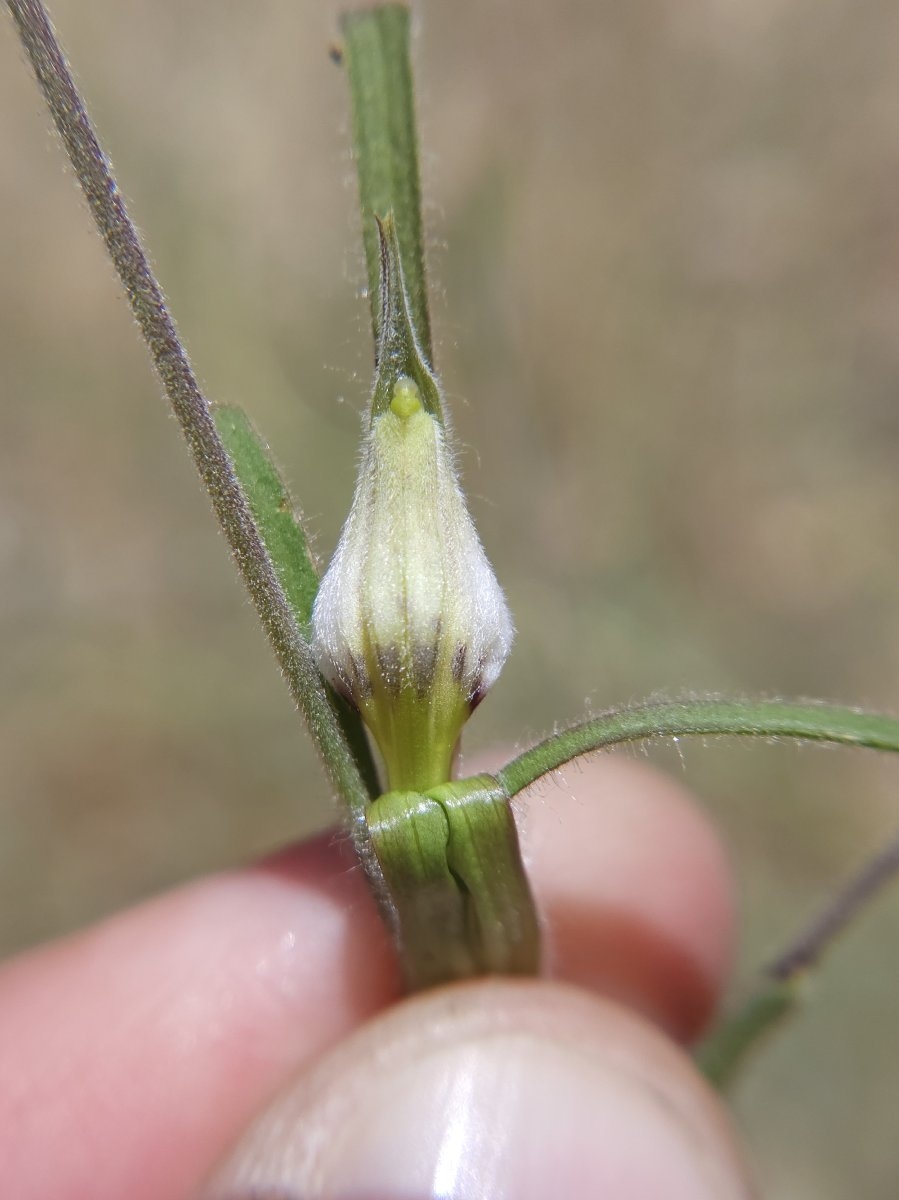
(512, 1091)
(171, 1024)
(634, 887)
(138, 1049)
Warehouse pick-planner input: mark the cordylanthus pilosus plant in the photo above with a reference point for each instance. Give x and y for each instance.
(409, 627)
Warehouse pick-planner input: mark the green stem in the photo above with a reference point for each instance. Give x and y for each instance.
(193, 412)
(386, 148)
(763, 718)
(779, 992)
(725, 1051)
(807, 947)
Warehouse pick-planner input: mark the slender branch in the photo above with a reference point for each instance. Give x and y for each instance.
(779, 992)
(386, 149)
(191, 409)
(764, 718)
(825, 926)
(778, 995)
(723, 1054)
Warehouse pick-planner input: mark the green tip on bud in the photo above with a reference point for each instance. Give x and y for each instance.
(410, 623)
(406, 399)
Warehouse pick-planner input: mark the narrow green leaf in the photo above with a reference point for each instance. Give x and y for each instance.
(763, 718)
(386, 147)
(271, 505)
(285, 540)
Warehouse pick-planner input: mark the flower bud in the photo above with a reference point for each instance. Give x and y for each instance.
(410, 623)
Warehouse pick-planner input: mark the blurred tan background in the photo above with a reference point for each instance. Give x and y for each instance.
(665, 248)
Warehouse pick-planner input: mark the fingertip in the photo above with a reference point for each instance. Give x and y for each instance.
(501, 1089)
(173, 1022)
(204, 1000)
(635, 889)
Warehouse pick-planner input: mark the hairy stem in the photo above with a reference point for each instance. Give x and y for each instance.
(763, 718)
(191, 408)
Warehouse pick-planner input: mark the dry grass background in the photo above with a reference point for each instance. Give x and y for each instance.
(665, 244)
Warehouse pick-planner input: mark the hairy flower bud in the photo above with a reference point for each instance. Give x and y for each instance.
(410, 623)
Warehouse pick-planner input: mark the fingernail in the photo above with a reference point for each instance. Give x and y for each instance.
(501, 1111)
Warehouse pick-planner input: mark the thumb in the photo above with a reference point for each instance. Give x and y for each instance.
(492, 1090)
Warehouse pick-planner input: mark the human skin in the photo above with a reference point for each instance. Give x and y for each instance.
(136, 1055)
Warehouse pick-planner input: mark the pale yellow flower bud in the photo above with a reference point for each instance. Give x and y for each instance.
(410, 623)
